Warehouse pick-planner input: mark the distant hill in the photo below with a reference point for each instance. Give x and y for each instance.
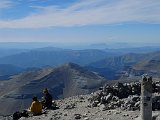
(10, 51)
(54, 57)
(64, 81)
(126, 50)
(6, 70)
(151, 67)
(112, 68)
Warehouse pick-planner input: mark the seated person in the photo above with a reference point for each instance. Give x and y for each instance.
(47, 99)
(36, 107)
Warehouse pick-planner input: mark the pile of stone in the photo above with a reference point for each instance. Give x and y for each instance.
(156, 103)
(156, 87)
(125, 96)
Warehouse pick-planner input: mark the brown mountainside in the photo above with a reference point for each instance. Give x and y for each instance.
(64, 81)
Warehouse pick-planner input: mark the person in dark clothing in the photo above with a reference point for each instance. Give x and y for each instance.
(47, 99)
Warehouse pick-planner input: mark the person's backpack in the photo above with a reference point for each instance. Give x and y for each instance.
(24, 113)
(16, 115)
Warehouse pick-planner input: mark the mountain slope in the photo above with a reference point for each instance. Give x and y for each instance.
(64, 81)
(110, 68)
(6, 70)
(10, 51)
(151, 67)
(53, 57)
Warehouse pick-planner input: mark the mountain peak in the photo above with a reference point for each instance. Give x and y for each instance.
(72, 65)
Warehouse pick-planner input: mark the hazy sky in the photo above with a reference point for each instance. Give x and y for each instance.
(80, 21)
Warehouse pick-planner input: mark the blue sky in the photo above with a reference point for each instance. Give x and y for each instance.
(80, 21)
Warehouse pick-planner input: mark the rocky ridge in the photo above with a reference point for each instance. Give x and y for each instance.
(119, 101)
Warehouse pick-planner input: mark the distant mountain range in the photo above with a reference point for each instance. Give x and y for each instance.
(128, 49)
(11, 51)
(51, 56)
(110, 63)
(64, 81)
(54, 57)
(115, 67)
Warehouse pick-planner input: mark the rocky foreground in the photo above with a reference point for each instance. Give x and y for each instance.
(117, 102)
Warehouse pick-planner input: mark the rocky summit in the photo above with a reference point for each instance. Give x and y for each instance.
(120, 101)
(125, 96)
